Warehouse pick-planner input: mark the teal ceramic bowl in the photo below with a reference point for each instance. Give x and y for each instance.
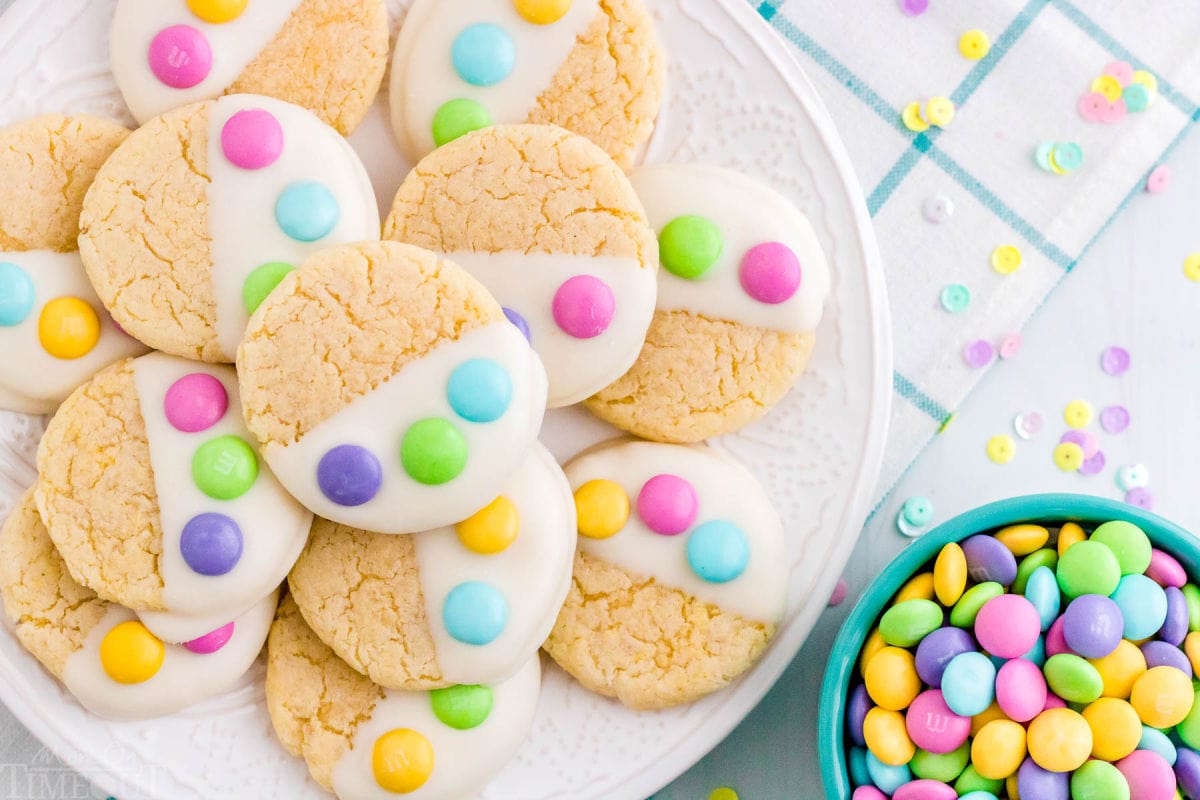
(1042, 508)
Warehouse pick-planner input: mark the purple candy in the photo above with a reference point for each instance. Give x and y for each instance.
(856, 712)
(989, 560)
(1187, 771)
(1035, 782)
(519, 321)
(211, 544)
(1114, 419)
(1175, 627)
(1093, 625)
(349, 475)
(937, 649)
(1161, 654)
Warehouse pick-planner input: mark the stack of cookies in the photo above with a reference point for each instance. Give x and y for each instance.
(252, 385)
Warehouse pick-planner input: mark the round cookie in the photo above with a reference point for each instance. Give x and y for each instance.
(200, 213)
(364, 742)
(553, 229)
(328, 56)
(592, 67)
(468, 603)
(740, 295)
(387, 388)
(151, 490)
(53, 328)
(681, 577)
(108, 660)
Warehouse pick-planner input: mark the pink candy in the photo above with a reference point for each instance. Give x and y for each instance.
(584, 306)
(667, 504)
(770, 273)
(252, 139)
(1149, 776)
(180, 56)
(925, 789)
(1165, 570)
(1021, 690)
(1007, 626)
(195, 402)
(1056, 642)
(1053, 701)
(868, 793)
(211, 642)
(933, 726)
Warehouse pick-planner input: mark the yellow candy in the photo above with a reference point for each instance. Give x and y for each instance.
(974, 44)
(919, 587)
(1108, 86)
(873, 645)
(1001, 449)
(1006, 259)
(990, 713)
(1021, 540)
(130, 653)
(1069, 534)
(68, 327)
(1059, 740)
(939, 111)
(1162, 696)
(1191, 648)
(1146, 79)
(491, 529)
(1068, 456)
(998, 750)
(1078, 413)
(887, 737)
(218, 11)
(602, 508)
(1120, 668)
(542, 12)
(912, 118)
(1116, 729)
(402, 760)
(1010, 786)
(892, 680)
(950, 574)
(1191, 267)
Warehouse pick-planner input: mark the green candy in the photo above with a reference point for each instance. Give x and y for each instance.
(433, 451)
(907, 623)
(689, 245)
(971, 781)
(1129, 544)
(1098, 780)
(1189, 729)
(944, 767)
(225, 467)
(1072, 678)
(261, 282)
(462, 707)
(458, 118)
(1088, 567)
(1038, 558)
(1192, 595)
(967, 608)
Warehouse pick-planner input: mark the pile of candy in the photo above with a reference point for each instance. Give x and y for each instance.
(1034, 663)
(1118, 90)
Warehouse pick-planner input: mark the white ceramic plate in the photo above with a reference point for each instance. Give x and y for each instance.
(736, 98)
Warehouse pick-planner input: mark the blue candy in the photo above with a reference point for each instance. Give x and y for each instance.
(474, 613)
(1143, 605)
(16, 294)
(969, 684)
(483, 54)
(307, 211)
(1156, 741)
(887, 778)
(717, 551)
(1042, 590)
(479, 390)
(859, 775)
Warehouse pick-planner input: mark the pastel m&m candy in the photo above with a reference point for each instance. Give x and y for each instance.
(402, 760)
(180, 56)
(129, 653)
(932, 726)
(770, 273)
(667, 504)
(491, 529)
(584, 306)
(601, 508)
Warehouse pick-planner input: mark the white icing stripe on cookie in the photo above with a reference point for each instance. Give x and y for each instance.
(273, 526)
(725, 491)
(234, 45)
(378, 420)
(526, 283)
(241, 203)
(185, 677)
(31, 380)
(464, 761)
(533, 574)
(424, 77)
(748, 214)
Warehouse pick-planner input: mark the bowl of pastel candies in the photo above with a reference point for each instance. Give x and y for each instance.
(1040, 648)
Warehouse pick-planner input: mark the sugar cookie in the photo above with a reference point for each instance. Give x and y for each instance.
(157, 500)
(364, 742)
(552, 227)
(740, 296)
(468, 603)
(592, 67)
(200, 213)
(328, 56)
(53, 330)
(107, 659)
(681, 576)
(388, 390)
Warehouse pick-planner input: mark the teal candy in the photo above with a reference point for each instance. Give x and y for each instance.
(978, 795)
(905, 624)
(483, 54)
(1042, 590)
(717, 551)
(969, 684)
(1143, 605)
(479, 390)
(1156, 741)
(307, 211)
(474, 613)
(1037, 653)
(16, 294)
(887, 778)
(859, 775)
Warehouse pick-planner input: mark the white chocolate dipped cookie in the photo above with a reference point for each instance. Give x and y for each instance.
(681, 577)
(108, 660)
(202, 211)
(740, 296)
(153, 492)
(364, 742)
(468, 603)
(328, 56)
(53, 329)
(388, 390)
(595, 68)
(553, 229)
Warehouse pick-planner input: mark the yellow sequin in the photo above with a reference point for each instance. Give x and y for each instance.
(1068, 457)
(939, 111)
(1001, 449)
(1078, 414)
(974, 44)
(1006, 259)
(1108, 86)
(912, 118)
